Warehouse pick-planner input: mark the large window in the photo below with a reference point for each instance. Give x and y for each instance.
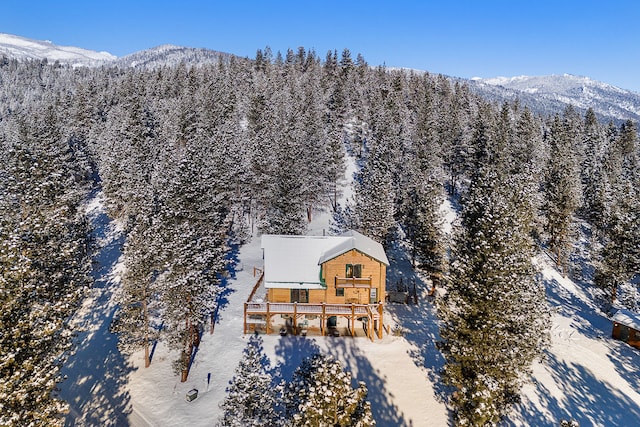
(299, 295)
(353, 270)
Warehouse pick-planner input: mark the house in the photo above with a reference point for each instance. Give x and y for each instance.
(321, 278)
(626, 327)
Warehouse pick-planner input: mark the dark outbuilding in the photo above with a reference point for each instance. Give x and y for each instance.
(626, 327)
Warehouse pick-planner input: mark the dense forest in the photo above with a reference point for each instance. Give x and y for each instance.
(193, 159)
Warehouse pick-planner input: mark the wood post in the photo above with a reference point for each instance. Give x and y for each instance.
(380, 326)
(268, 319)
(353, 320)
(245, 317)
(295, 318)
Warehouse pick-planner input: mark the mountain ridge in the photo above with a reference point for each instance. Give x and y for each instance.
(542, 94)
(552, 93)
(19, 47)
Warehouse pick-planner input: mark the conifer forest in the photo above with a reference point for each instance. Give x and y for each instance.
(193, 159)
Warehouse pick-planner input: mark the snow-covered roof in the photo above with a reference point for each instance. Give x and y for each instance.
(627, 318)
(354, 240)
(294, 261)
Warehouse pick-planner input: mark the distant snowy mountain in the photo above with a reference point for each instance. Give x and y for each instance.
(171, 55)
(542, 94)
(548, 94)
(23, 48)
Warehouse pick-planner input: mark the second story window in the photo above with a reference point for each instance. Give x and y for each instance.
(353, 270)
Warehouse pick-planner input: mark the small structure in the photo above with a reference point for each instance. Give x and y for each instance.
(626, 327)
(192, 395)
(321, 277)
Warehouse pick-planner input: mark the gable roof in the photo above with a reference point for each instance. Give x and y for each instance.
(627, 318)
(295, 261)
(354, 240)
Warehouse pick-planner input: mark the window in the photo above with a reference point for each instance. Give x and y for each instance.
(353, 270)
(339, 292)
(299, 295)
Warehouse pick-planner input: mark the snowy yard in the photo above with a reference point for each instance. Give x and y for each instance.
(399, 387)
(586, 375)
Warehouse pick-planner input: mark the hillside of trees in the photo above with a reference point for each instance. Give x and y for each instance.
(193, 159)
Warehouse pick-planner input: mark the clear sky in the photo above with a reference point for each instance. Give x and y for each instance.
(463, 38)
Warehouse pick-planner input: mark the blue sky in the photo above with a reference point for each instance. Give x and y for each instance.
(464, 38)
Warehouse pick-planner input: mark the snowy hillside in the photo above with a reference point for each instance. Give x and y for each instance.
(549, 93)
(542, 94)
(586, 376)
(168, 55)
(24, 48)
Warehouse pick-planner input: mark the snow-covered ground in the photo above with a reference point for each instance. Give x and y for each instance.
(586, 375)
(400, 389)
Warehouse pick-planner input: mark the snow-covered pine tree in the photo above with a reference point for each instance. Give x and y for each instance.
(194, 223)
(594, 184)
(252, 396)
(374, 206)
(43, 264)
(494, 313)
(561, 190)
(285, 209)
(620, 256)
(320, 394)
(138, 299)
(127, 156)
(422, 191)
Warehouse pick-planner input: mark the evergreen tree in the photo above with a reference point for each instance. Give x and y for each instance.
(320, 394)
(138, 299)
(251, 396)
(44, 264)
(494, 312)
(562, 190)
(592, 173)
(194, 217)
(620, 256)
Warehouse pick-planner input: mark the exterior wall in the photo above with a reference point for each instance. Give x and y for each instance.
(284, 295)
(337, 267)
(317, 296)
(370, 268)
(279, 295)
(626, 334)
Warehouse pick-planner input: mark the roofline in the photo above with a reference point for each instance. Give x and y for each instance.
(353, 249)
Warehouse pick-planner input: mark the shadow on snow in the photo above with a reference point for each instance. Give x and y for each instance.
(95, 372)
(291, 350)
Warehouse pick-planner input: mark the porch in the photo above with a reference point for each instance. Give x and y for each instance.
(301, 318)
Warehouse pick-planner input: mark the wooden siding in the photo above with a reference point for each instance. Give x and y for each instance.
(371, 268)
(355, 304)
(626, 334)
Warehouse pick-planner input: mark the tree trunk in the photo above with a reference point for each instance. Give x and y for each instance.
(185, 366)
(187, 350)
(147, 360)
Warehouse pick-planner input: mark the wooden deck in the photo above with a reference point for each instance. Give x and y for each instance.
(262, 312)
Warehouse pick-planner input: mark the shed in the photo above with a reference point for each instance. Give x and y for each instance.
(626, 327)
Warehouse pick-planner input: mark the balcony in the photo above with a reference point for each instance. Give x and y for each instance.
(353, 282)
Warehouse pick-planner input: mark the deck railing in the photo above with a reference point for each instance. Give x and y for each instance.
(353, 282)
(373, 312)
